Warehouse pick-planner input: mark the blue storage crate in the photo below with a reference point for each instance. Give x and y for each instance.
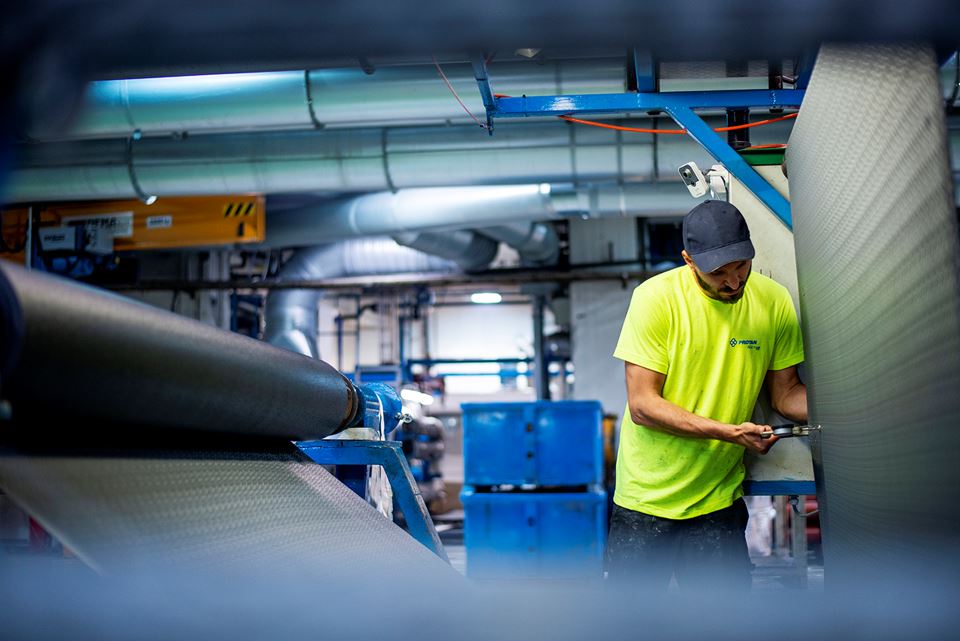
(546, 443)
(534, 534)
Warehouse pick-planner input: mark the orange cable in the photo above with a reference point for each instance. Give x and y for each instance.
(603, 125)
(756, 124)
(638, 130)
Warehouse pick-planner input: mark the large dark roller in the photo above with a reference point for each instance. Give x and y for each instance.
(72, 352)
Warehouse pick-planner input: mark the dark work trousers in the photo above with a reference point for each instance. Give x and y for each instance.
(707, 552)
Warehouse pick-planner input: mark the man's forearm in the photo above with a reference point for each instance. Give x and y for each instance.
(658, 413)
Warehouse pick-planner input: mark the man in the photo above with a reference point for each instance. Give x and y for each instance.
(698, 342)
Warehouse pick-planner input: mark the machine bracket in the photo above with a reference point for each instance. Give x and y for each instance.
(389, 455)
(779, 488)
(483, 83)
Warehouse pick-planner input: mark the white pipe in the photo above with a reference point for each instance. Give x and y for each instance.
(468, 249)
(353, 160)
(343, 97)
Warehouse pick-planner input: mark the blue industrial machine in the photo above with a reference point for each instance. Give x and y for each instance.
(185, 385)
(533, 499)
(381, 410)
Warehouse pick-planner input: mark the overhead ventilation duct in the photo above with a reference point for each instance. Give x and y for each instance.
(408, 210)
(452, 208)
(291, 319)
(339, 97)
(536, 243)
(468, 249)
(354, 160)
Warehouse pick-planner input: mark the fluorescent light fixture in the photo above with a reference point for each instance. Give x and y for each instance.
(485, 298)
(414, 396)
(544, 189)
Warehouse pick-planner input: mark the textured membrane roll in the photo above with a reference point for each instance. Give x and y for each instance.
(877, 257)
(69, 351)
(270, 512)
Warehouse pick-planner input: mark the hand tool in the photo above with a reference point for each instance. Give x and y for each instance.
(788, 430)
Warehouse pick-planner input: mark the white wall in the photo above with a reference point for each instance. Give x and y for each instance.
(488, 331)
(209, 306)
(598, 309)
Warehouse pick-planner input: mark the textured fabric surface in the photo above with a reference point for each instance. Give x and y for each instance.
(877, 258)
(198, 511)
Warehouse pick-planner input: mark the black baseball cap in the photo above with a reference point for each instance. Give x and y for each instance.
(714, 234)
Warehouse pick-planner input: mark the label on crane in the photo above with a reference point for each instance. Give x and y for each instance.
(118, 225)
(159, 222)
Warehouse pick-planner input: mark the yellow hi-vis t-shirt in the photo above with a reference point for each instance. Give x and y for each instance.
(715, 356)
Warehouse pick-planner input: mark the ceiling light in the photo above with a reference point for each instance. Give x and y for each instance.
(486, 298)
(527, 53)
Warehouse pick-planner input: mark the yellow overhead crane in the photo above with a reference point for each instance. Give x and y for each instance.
(169, 223)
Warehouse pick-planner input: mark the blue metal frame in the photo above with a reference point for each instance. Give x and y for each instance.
(645, 71)
(483, 83)
(680, 106)
(779, 488)
(734, 162)
(526, 106)
(389, 455)
(805, 67)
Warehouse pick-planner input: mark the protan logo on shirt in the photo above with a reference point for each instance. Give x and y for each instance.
(747, 342)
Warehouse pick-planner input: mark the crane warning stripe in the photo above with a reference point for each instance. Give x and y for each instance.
(234, 210)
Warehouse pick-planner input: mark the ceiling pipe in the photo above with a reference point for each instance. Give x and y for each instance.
(291, 314)
(354, 160)
(536, 243)
(452, 208)
(322, 98)
(408, 210)
(468, 249)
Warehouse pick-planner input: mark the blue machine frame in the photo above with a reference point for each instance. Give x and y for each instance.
(679, 105)
(779, 488)
(389, 455)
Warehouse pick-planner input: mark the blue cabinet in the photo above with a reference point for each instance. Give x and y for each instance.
(557, 535)
(545, 443)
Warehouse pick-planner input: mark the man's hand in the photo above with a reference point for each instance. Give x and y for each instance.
(649, 408)
(758, 438)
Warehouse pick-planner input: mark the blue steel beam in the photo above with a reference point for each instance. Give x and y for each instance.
(680, 106)
(483, 84)
(779, 488)
(734, 163)
(627, 102)
(805, 68)
(644, 70)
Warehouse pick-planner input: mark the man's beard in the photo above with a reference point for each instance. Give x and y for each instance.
(724, 295)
